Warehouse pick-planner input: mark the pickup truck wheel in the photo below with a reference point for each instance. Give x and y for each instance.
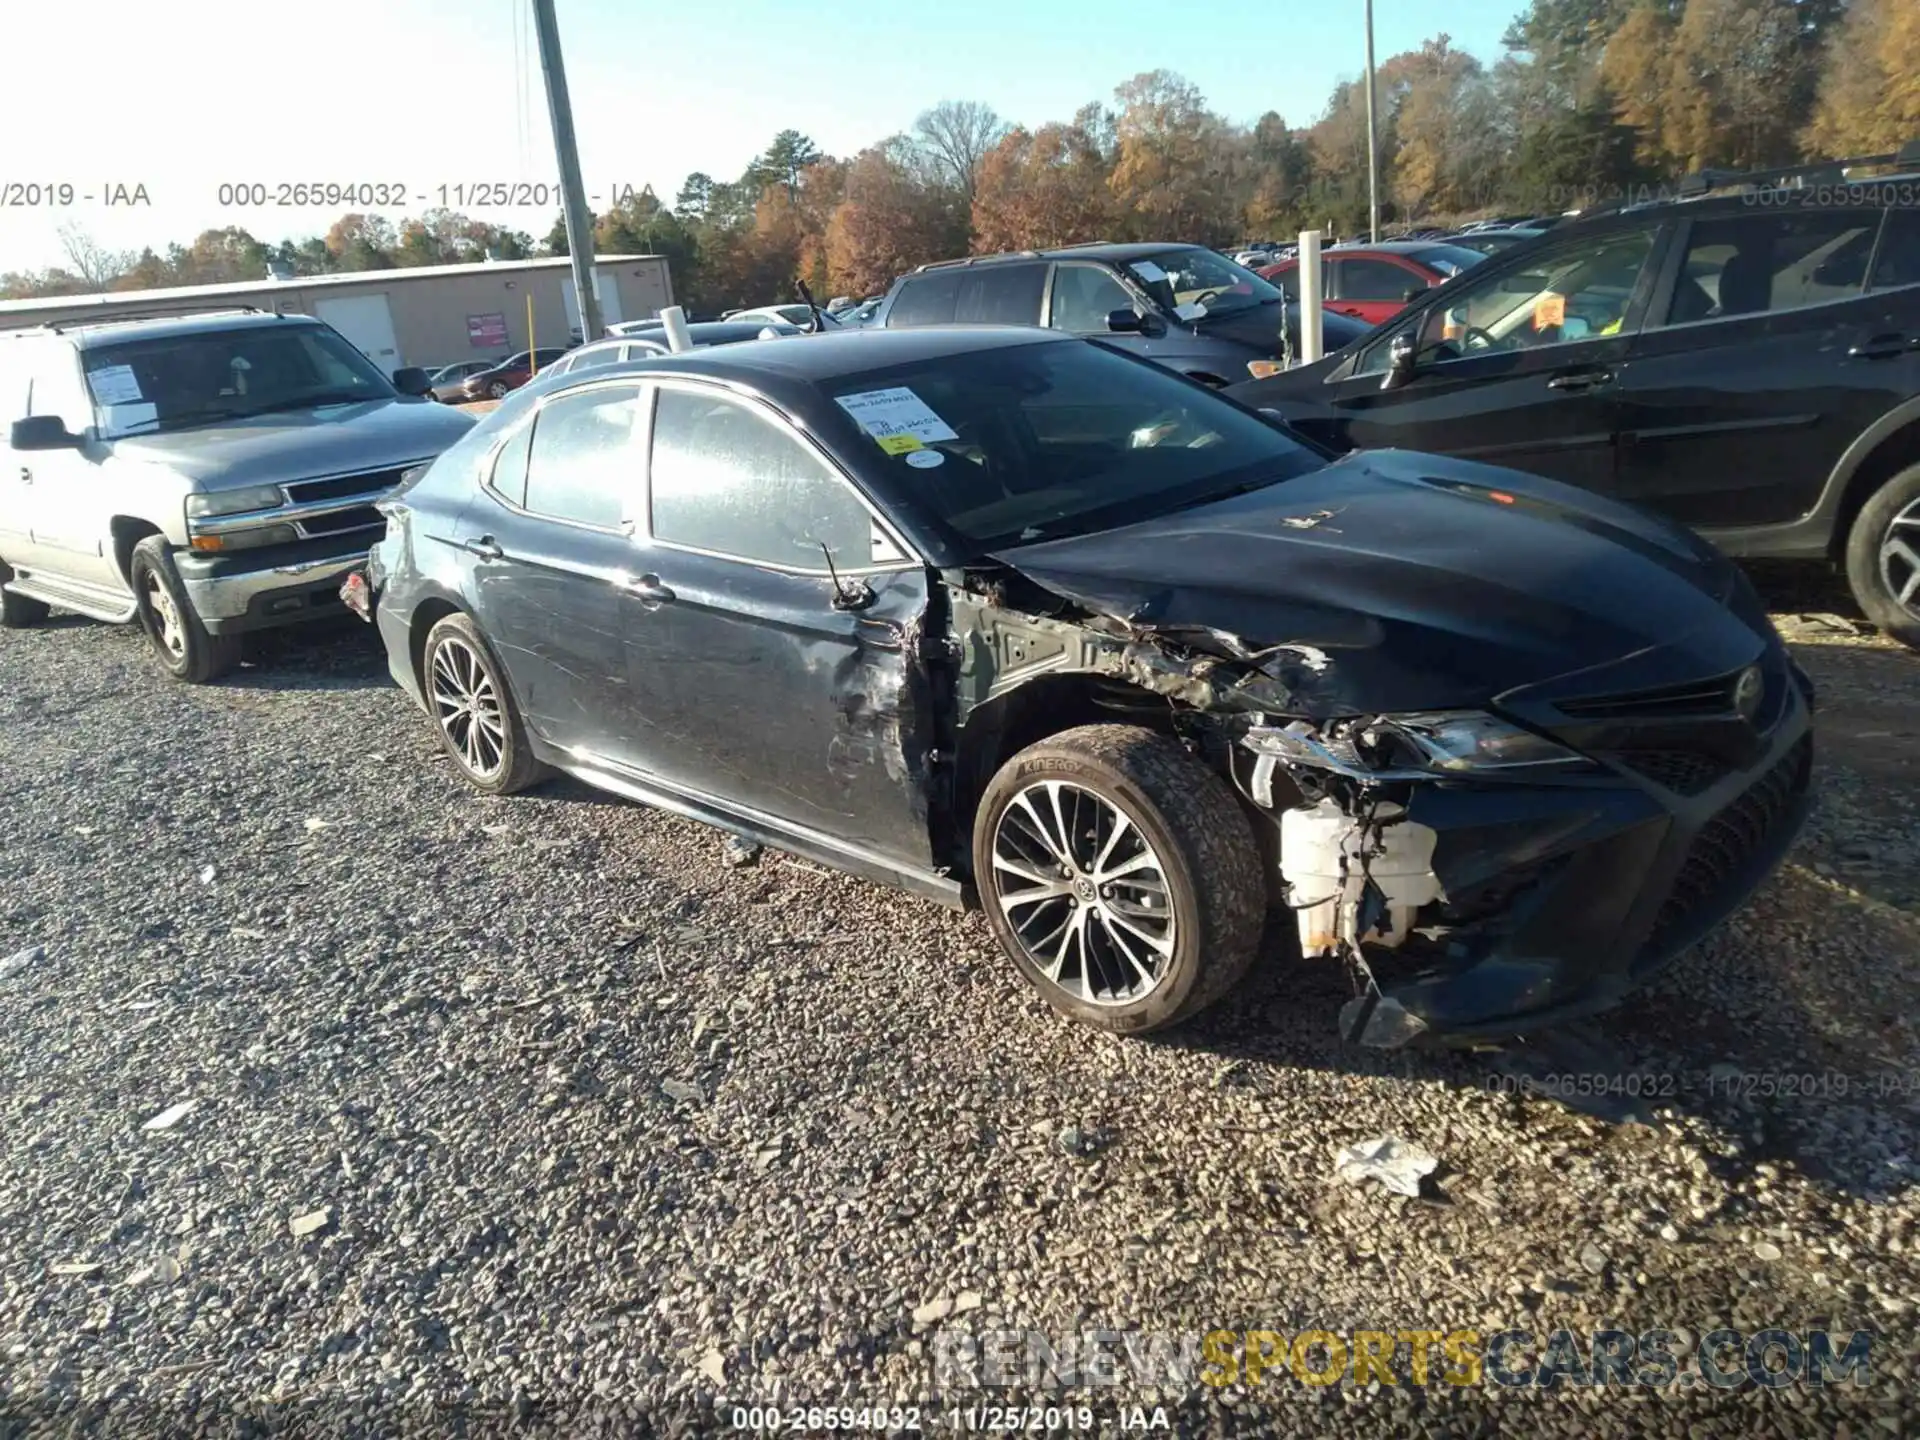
(473, 711)
(186, 649)
(1883, 557)
(18, 612)
(1120, 875)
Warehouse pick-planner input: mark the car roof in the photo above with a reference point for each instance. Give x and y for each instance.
(829, 357)
(91, 334)
(1108, 250)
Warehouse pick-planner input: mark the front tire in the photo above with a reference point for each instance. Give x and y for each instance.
(1883, 557)
(497, 390)
(1120, 875)
(186, 649)
(473, 712)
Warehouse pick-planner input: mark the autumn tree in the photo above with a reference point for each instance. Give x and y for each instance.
(1174, 163)
(1044, 188)
(887, 223)
(1739, 83)
(1869, 96)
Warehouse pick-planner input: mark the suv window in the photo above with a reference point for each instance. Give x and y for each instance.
(1083, 297)
(583, 461)
(1561, 295)
(1899, 262)
(1373, 280)
(587, 359)
(1754, 264)
(971, 295)
(728, 480)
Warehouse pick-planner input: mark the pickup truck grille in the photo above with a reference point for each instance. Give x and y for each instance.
(310, 492)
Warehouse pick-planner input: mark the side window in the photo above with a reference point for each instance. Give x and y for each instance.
(1576, 291)
(560, 367)
(584, 460)
(587, 359)
(728, 480)
(1373, 280)
(1083, 297)
(509, 478)
(1001, 295)
(1756, 264)
(1899, 262)
(926, 299)
(59, 390)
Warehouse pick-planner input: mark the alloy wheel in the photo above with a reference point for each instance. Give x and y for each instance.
(1900, 559)
(467, 705)
(172, 634)
(1084, 893)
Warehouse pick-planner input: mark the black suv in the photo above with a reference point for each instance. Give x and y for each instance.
(1181, 306)
(1744, 358)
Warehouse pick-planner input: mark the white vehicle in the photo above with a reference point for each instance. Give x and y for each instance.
(205, 474)
(796, 314)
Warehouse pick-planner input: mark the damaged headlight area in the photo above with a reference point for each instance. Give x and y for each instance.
(1420, 746)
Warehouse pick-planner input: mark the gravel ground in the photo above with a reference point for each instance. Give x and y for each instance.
(538, 1110)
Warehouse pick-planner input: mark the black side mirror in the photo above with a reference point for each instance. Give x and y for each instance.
(412, 380)
(1124, 322)
(43, 432)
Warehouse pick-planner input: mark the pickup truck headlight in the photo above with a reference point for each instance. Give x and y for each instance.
(1414, 745)
(234, 502)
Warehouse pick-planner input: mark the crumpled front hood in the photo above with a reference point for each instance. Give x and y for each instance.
(301, 444)
(1420, 587)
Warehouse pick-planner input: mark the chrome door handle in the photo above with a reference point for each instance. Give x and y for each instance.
(26, 476)
(1581, 380)
(647, 587)
(1883, 347)
(486, 547)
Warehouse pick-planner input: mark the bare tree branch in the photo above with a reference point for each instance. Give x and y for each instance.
(957, 134)
(92, 262)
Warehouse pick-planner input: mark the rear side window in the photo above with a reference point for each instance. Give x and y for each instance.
(1374, 280)
(509, 478)
(1759, 264)
(1899, 262)
(926, 299)
(586, 359)
(1000, 295)
(585, 456)
(726, 479)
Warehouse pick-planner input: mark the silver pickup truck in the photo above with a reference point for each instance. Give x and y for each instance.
(204, 474)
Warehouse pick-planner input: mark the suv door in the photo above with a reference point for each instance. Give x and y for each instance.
(16, 381)
(67, 501)
(1765, 357)
(1517, 366)
(550, 561)
(756, 689)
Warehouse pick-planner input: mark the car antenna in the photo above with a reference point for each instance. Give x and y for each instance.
(819, 324)
(844, 598)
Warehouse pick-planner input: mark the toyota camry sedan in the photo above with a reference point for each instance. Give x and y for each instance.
(1012, 619)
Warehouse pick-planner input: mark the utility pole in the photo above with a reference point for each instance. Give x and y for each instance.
(1373, 145)
(573, 192)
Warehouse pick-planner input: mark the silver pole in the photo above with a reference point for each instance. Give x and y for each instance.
(1373, 146)
(572, 191)
(1312, 331)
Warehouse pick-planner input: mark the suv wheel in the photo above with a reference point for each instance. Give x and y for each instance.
(1883, 557)
(18, 612)
(185, 647)
(1120, 875)
(473, 713)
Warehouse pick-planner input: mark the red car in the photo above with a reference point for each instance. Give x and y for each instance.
(510, 374)
(1373, 282)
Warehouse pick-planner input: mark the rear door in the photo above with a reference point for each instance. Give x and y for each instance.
(550, 563)
(1766, 356)
(754, 688)
(1517, 367)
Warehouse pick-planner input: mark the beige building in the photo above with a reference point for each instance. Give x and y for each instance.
(428, 315)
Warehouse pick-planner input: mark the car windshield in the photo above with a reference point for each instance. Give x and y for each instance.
(1197, 284)
(179, 381)
(1036, 442)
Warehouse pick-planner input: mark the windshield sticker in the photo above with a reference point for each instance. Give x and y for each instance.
(125, 417)
(114, 385)
(1148, 271)
(896, 415)
(926, 459)
(1549, 310)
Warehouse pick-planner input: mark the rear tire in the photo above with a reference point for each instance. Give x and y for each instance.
(1135, 902)
(1883, 557)
(19, 612)
(474, 716)
(497, 390)
(186, 649)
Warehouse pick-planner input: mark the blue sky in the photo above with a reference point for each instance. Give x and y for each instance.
(447, 92)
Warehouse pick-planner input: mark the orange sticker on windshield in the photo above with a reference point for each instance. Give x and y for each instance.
(1549, 310)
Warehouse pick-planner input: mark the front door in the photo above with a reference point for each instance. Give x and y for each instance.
(1766, 358)
(756, 689)
(1518, 368)
(65, 491)
(549, 552)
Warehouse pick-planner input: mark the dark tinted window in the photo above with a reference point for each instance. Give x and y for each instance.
(1083, 297)
(510, 467)
(926, 299)
(1000, 295)
(1373, 280)
(727, 479)
(585, 457)
(1899, 262)
(1753, 264)
(1030, 442)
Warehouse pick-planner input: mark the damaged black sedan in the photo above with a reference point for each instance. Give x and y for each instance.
(1010, 618)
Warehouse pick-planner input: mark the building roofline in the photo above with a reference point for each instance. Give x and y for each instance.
(112, 299)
